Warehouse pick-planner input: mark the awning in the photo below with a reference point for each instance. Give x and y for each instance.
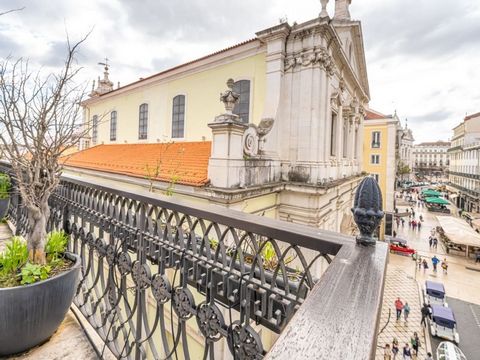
(458, 231)
(430, 193)
(436, 200)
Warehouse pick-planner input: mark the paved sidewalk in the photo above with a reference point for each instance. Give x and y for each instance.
(400, 284)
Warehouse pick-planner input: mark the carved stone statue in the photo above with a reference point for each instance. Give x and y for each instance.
(367, 210)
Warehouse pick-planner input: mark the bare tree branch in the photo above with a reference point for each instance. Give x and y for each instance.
(40, 118)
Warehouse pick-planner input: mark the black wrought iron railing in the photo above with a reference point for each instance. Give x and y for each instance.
(166, 279)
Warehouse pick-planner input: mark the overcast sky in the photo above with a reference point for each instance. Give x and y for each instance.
(423, 56)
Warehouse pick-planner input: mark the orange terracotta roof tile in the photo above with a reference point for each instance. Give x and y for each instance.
(187, 162)
(372, 115)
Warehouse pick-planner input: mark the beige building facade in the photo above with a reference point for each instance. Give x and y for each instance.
(431, 158)
(464, 168)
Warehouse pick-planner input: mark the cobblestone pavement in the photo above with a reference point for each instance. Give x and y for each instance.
(400, 284)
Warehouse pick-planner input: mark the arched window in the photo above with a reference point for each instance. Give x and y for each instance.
(113, 126)
(94, 129)
(178, 117)
(143, 121)
(242, 109)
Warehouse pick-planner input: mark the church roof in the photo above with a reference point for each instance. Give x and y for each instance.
(373, 115)
(184, 162)
(132, 84)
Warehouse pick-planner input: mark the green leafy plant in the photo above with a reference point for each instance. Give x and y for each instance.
(11, 260)
(56, 246)
(32, 273)
(5, 186)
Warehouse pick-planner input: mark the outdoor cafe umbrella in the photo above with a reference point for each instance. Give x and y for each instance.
(436, 200)
(430, 193)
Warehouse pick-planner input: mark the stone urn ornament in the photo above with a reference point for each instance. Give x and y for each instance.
(367, 210)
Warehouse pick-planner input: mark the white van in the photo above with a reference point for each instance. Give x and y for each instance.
(449, 351)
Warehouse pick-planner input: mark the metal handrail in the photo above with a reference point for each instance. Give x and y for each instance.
(124, 235)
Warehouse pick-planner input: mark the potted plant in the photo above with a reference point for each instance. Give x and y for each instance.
(40, 119)
(4, 194)
(34, 298)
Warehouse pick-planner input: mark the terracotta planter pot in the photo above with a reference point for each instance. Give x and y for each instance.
(30, 314)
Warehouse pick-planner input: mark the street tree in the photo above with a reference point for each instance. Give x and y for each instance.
(403, 169)
(40, 119)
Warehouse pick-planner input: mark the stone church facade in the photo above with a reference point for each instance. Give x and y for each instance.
(285, 143)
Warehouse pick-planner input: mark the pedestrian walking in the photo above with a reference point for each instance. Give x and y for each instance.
(410, 222)
(395, 348)
(435, 262)
(425, 313)
(430, 242)
(425, 265)
(387, 352)
(477, 258)
(435, 243)
(429, 356)
(406, 311)
(419, 263)
(419, 225)
(407, 352)
(398, 308)
(445, 266)
(415, 341)
(394, 234)
(403, 222)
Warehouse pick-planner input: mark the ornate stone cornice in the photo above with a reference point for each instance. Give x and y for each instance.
(311, 57)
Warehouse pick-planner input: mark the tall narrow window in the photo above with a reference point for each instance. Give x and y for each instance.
(375, 139)
(143, 121)
(94, 129)
(333, 135)
(113, 126)
(178, 117)
(345, 138)
(242, 109)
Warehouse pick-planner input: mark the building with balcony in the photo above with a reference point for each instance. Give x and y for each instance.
(290, 146)
(379, 146)
(464, 168)
(431, 158)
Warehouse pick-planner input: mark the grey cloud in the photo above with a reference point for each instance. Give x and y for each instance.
(8, 47)
(421, 28)
(196, 20)
(431, 117)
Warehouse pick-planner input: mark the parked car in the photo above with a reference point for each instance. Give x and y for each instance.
(443, 324)
(434, 293)
(399, 246)
(449, 351)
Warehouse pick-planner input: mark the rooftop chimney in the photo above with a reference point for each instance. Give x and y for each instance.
(342, 9)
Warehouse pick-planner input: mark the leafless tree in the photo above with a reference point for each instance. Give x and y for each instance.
(40, 119)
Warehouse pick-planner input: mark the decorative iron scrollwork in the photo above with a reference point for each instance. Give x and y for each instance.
(110, 254)
(161, 288)
(124, 263)
(141, 275)
(210, 321)
(183, 303)
(245, 343)
(112, 295)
